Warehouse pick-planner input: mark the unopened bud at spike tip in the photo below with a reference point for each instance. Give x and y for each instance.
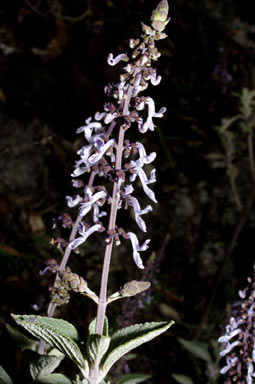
(159, 17)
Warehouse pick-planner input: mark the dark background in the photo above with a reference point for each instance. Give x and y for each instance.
(52, 73)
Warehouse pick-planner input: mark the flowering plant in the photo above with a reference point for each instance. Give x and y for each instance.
(108, 155)
(238, 344)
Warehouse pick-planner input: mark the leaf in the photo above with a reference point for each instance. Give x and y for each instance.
(182, 379)
(60, 325)
(4, 377)
(53, 336)
(21, 340)
(80, 381)
(42, 365)
(96, 347)
(129, 338)
(226, 123)
(133, 378)
(92, 327)
(55, 378)
(198, 349)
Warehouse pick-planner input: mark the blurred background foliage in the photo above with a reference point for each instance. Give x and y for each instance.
(52, 74)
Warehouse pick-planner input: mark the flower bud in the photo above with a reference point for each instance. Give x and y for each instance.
(159, 16)
(73, 281)
(134, 287)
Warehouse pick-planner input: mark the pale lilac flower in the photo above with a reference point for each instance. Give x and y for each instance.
(99, 115)
(143, 127)
(84, 235)
(89, 160)
(128, 189)
(143, 158)
(104, 148)
(97, 214)
(229, 348)
(88, 128)
(225, 338)
(86, 207)
(137, 248)
(144, 179)
(138, 212)
(73, 202)
(115, 60)
(155, 80)
(239, 339)
(231, 362)
(250, 373)
(109, 117)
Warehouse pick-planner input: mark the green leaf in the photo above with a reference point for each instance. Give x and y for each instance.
(42, 365)
(55, 378)
(129, 338)
(92, 327)
(79, 381)
(55, 337)
(4, 377)
(21, 340)
(60, 325)
(133, 378)
(96, 347)
(198, 349)
(182, 379)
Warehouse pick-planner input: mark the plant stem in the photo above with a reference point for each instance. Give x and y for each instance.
(65, 258)
(108, 249)
(52, 307)
(101, 309)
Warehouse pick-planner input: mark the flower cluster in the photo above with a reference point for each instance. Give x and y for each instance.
(99, 155)
(239, 340)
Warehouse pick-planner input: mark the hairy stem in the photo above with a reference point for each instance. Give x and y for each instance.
(52, 307)
(108, 249)
(101, 309)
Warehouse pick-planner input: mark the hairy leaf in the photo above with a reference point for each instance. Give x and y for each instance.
(182, 379)
(21, 340)
(96, 347)
(129, 338)
(79, 381)
(92, 327)
(198, 349)
(133, 378)
(42, 365)
(54, 337)
(4, 377)
(55, 378)
(60, 325)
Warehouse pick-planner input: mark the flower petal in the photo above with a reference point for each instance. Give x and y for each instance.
(73, 202)
(115, 60)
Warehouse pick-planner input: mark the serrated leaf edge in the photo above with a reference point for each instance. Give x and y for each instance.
(44, 331)
(116, 354)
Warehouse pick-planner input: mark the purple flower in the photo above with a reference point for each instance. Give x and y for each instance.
(138, 212)
(138, 248)
(115, 60)
(86, 207)
(88, 128)
(143, 127)
(89, 159)
(84, 235)
(137, 169)
(239, 339)
(97, 214)
(73, 202)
